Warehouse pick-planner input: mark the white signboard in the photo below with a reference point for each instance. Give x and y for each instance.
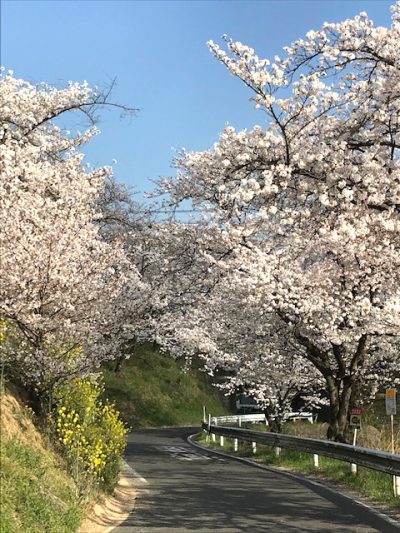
(390, 401)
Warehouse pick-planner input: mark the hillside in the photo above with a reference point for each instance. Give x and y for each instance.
(151, 389)
(36, 493)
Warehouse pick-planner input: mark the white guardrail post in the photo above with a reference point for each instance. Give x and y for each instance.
(396, 486)
(212, 434)
(353, 466)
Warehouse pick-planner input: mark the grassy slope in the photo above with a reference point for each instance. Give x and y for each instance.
(151, 389)
(36, 494)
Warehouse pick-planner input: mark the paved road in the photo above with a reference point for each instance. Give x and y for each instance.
(186, 490)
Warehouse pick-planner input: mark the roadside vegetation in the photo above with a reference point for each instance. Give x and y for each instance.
(55, 464)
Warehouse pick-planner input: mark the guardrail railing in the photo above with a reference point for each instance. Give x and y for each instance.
(258, 417)
(239, 419)
(374, 459)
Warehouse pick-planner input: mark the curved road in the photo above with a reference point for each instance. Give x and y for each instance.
(185, 489)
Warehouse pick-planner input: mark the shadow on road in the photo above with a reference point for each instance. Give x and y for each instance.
(203, 494)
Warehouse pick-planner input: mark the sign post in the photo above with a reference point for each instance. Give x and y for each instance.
(355, 422)
(390, 402)
(391, 409)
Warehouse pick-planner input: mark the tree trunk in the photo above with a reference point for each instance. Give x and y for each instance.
(277, 424)
(127, 352)
(356, 395)
(274, 422)
(340, 380)
(339, 397)
(118, 364)
(39, 401)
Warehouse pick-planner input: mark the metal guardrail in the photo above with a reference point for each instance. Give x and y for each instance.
(258, 417)
(299, 416)
(374, 459)
(217, 420)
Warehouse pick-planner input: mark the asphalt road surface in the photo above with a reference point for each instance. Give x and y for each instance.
(184, 489)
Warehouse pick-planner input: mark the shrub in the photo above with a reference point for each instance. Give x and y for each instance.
(90, 432)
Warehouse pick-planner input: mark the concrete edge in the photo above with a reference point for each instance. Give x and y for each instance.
(297, 477)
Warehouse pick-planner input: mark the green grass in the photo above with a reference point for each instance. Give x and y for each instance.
(151, 389)
(36, 495)
(375, 485)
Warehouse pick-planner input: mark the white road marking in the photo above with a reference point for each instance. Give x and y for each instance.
(184, 454)
(129, 471)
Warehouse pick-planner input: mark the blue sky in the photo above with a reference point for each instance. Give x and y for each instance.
(157, 51)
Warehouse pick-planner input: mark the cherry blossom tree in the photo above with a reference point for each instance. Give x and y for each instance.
(246, 349)
(63, 289)
(276, 381)
(311, 203)
(169, 259)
